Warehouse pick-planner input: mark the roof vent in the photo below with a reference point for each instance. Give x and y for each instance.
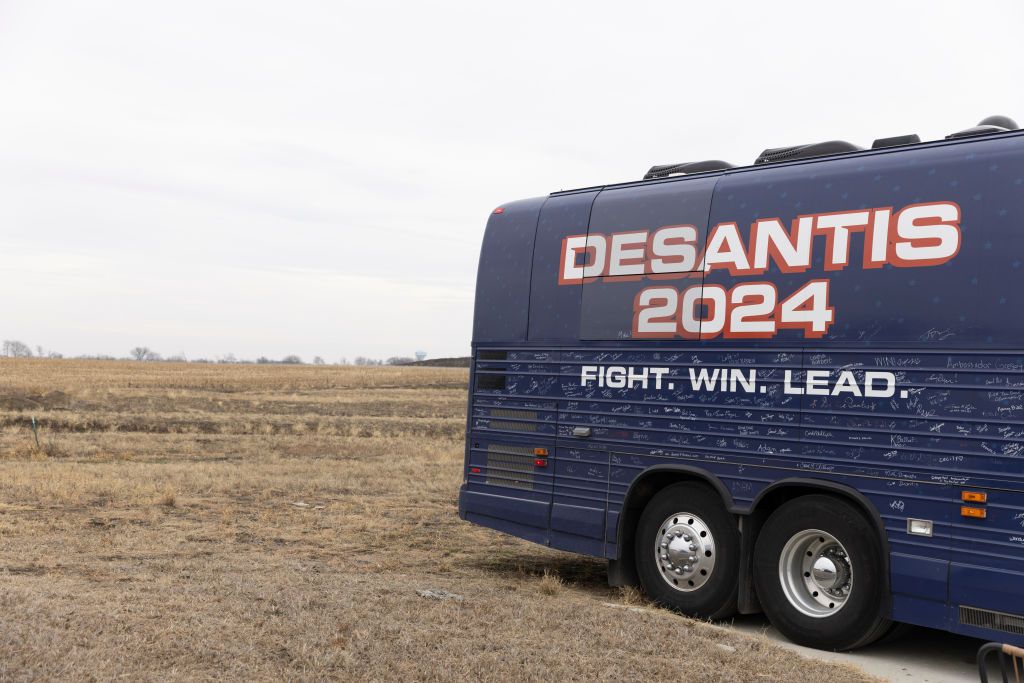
(987, 126)
(1001, 121)
(896, 141)
(817, 149)
(687, 168)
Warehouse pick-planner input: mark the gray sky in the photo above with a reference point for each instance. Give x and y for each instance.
(314, 177)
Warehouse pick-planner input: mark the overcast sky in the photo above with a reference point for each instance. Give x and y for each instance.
(313, 178)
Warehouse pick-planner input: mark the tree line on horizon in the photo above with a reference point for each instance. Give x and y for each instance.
(12, 348)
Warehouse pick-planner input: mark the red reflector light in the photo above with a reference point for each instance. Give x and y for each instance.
(540, 462)
(474, 470)
(500, 209)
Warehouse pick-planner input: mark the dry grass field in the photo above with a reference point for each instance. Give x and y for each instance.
(275, 522)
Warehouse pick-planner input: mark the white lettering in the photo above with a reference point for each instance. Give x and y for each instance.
(703, 380)
(887, 379)
(787, 384)
(627, 253)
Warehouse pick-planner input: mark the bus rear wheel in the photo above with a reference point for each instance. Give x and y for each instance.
(820, 574)
(687, 551)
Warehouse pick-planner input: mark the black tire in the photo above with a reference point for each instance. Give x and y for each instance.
(861, 619)
(897, 631)
(716, 597)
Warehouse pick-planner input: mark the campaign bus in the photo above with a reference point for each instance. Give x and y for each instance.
(795, 387)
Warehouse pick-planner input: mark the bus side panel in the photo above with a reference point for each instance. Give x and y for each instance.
(503, 276)
(508, 483)
(872, 442)
(964, 299)
(555, 306)
(503, 488)
(580, 496)
(639, 212)
(691, 422)
(946, 332)
(960, 430)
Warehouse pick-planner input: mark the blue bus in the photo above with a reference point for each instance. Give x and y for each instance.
(795, 387)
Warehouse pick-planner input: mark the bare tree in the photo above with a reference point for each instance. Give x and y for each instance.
(16, 349)
(318, 361)
(292, 360)
(400, 360)
(144, 353)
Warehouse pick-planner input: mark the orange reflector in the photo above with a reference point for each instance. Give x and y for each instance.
(540, 462)
(500, 210)
(540, 451)
(474, 470)
(977, 513)
(973, 496)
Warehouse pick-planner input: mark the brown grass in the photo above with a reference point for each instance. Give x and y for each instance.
(266, 522)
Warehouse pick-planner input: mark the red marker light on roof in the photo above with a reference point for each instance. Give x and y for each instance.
(500, 209)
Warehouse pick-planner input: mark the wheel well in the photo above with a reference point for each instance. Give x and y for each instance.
(776, 495)
(640, 492)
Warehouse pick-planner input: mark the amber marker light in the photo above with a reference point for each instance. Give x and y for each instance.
(973, 496)
(976, 513)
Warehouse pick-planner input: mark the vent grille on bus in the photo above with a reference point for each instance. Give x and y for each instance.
(687, 168)
(997, 621)
(516, 415)
(817, 149)
(510, 466)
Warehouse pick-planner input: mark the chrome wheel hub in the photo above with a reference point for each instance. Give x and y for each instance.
(816, 573)
(684, 551)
